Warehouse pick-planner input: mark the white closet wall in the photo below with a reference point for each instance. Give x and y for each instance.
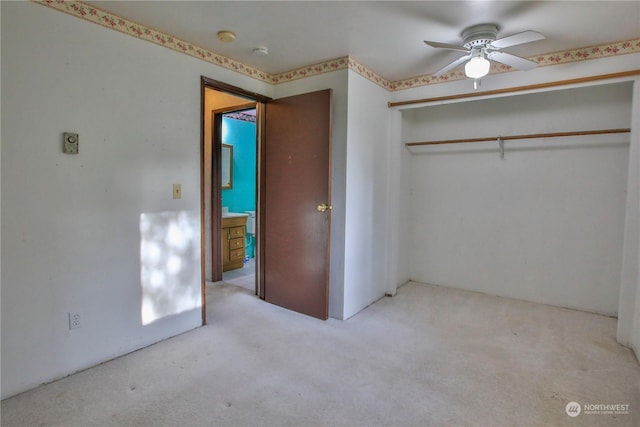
(544, 224)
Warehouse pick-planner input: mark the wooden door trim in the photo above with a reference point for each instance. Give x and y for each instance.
(233, 90)
(233, 108)
(260, 205)
(202, 206)
(216, 197)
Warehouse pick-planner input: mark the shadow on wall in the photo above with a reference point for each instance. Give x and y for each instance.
(169, 264)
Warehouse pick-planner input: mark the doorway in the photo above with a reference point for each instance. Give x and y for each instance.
(239, 170)
(293, 210)
(217, 98)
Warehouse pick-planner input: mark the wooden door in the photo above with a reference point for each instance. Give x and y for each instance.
(296, 173)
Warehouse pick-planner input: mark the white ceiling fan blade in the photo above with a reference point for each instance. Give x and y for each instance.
(453, 65)
(512, 60)
(520, 38)
(445, 46)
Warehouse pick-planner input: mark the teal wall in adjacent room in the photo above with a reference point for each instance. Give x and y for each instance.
(242, 197)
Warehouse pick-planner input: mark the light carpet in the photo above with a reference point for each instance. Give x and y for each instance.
(430, 356)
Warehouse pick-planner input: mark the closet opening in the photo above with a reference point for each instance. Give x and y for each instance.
(522, 196)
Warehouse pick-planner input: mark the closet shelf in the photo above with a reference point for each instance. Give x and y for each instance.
(527, 136)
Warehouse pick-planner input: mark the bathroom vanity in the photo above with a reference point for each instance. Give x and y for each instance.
(233, 235)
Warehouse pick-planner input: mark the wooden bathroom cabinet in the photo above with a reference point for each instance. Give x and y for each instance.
(233, 231)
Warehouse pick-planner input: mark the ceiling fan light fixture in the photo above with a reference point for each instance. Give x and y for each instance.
(477, 67)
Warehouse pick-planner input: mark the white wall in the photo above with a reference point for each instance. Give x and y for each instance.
(398, 214)
(97, 232)
(629, 306)
(338, 82)
(367, 195)
(546, 224)
(0, 203)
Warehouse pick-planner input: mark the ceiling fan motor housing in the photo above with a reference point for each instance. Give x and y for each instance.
(479, 35)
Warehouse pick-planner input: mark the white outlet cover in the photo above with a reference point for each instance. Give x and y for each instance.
(74, 320)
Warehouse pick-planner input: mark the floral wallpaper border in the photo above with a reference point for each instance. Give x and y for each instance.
(311, 70)
(543, 60)
(126, 26)
(241, 116)
(110, 20)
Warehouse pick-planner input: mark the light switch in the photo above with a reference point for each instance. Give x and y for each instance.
(177, 191)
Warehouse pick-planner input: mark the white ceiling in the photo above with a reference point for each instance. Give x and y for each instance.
(385, 36)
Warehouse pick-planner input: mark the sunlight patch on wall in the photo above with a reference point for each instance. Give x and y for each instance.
(169, 264)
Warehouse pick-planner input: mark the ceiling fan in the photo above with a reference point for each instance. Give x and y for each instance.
(480, 45)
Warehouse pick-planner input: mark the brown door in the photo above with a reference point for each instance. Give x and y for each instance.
(297, 172)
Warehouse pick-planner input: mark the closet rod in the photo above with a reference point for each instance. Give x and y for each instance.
(510, 137)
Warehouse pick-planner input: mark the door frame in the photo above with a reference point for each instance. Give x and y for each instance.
(216, 191)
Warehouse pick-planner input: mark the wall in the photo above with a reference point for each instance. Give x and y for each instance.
(629, 305)
(97, 232)
(367, 195)
(242, 196)
(242, 135)
(0, 204)
(546, 224)
(398, 213)
(338, 82)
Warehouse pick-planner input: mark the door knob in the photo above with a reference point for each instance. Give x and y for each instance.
(323, 207)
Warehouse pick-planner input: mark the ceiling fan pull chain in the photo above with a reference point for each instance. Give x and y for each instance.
(501, 145)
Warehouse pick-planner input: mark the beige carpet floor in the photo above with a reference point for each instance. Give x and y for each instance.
(244, 277)
(429, 356)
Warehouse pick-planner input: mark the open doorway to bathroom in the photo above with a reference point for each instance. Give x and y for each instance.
(218, 99)
(238, 132)
(280, 235)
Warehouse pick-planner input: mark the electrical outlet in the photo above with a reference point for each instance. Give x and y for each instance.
(74, 320)
(177, 191)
